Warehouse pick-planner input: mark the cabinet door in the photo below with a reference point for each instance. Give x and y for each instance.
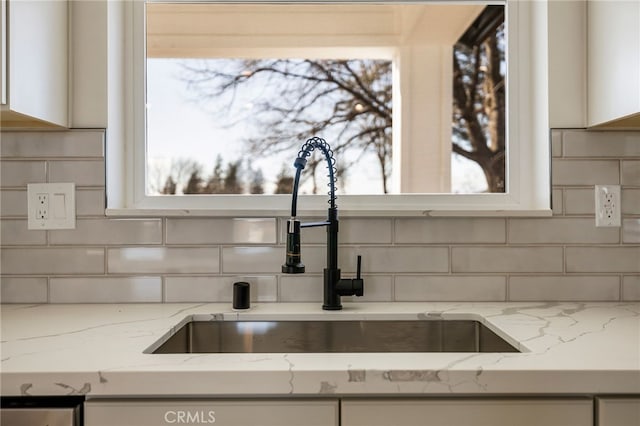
(258, 412)
(3, 52)
(468, 412)
(613, 67)
(35, 63)
(618, 411)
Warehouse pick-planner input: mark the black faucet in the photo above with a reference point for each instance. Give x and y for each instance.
(334, 286)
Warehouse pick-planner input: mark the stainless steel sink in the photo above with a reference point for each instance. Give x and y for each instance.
(333, 336)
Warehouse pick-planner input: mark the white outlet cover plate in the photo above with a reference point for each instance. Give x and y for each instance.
(608, 206)
(62, 205)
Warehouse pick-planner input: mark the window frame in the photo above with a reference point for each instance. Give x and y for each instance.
(528, 160)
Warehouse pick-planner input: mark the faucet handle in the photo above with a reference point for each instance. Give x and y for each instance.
(352, 286)
(358, 283)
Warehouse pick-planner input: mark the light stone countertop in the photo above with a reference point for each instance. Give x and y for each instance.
(98, 350)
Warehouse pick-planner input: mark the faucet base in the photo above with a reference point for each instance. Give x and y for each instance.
(332, 307)
(293, 269)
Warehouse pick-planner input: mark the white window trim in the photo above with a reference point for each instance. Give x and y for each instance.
(528, 163)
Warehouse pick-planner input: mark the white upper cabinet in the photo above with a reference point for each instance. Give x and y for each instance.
(613, 63)
(34, 65)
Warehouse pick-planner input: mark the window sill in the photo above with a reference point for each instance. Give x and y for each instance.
(133, 212)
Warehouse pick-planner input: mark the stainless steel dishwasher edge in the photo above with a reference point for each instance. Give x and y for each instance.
(41, 411)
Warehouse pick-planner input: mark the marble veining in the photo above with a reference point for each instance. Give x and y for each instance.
(104, 350)
(357, 375)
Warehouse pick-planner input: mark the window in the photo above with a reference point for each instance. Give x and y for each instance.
(415, 116)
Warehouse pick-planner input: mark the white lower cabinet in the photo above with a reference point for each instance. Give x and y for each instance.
(468, 412)
(611, 411)
(618, 411)
(212, 412)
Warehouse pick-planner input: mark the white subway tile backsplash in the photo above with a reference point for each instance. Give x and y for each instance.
(564, 288)
(377, 288)
(631, 231)
(191, 259)
(578, 143)
(23, 290)
(560, 230)
(21, 173)
(580, 201)
(507, 259)
(557, 202)
(109, 232)
(352, 231)
(14, 232)
(82, 173)
(395, 259)
(450, 231)
(603, 259)
(301, 288)
(364, 231)
(631, 172)
(630, 201)
(218, 289)
(556, 143)
(450, 288)
(585, 172)
(89, 202)
(309, 288)
(152, 260)
(631, 288)
(252, 259)
(374, 259)
(75, 143)
(221, 231)
(105, 290)
(13, 203)
(196, 289)
(35, 261)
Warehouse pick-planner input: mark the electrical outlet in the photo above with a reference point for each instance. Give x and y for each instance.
(608, 205)
(51, 206)
(42, 206)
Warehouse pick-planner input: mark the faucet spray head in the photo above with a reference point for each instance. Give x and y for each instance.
(293, 262)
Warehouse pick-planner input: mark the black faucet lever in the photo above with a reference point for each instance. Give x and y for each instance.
(352, 286)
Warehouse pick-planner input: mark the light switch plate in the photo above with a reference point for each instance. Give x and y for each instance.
(51, 205)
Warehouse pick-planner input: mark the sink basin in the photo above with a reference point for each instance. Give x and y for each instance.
(333, 336)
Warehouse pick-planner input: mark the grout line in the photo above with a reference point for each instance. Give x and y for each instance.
(105, 251)
(621, 287)
(507, 290)
(507, 234)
